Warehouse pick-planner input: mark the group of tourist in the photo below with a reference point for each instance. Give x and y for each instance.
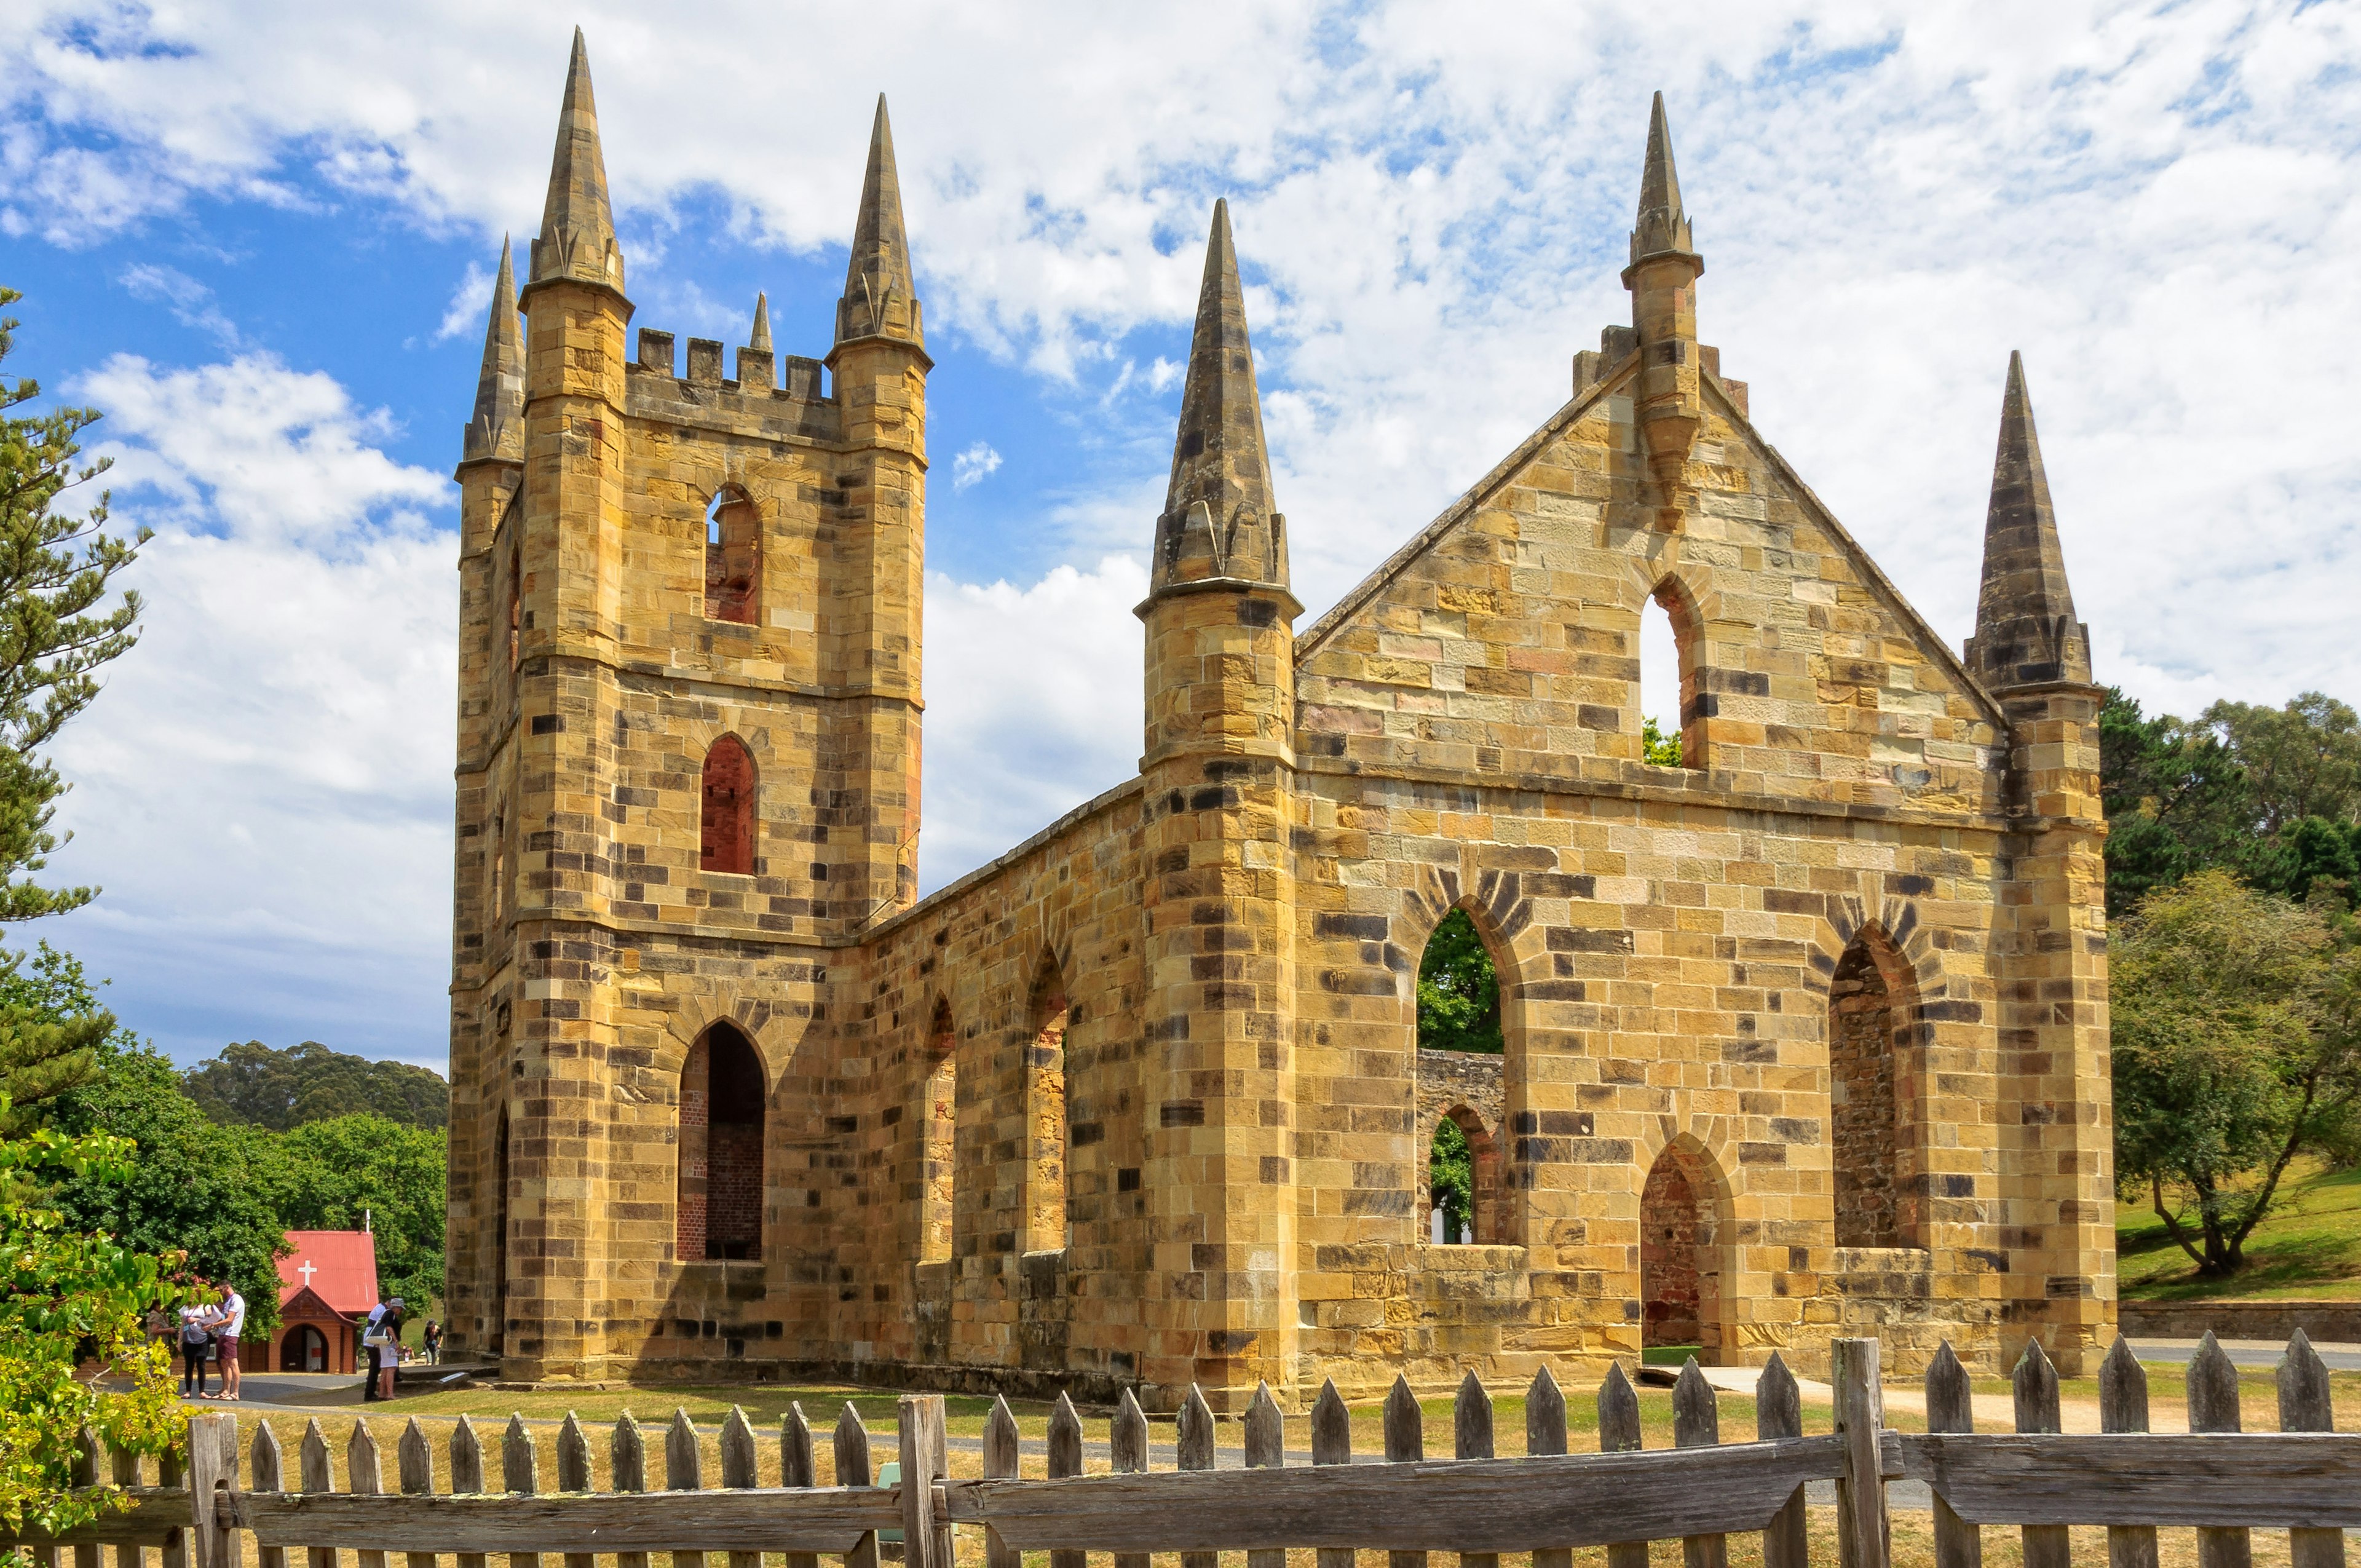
(206, 1334)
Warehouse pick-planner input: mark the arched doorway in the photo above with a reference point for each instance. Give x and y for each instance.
(304, 1349)
(1680, 1299)
(718, 1208)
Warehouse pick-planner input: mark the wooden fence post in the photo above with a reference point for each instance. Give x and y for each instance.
(797, 1467)
(2214, 1407)
(2123, 1407)
(852, 1470)
(2034, 1386)
(739, 1470)
(1266, 1445)
(684, 1472)
(1065, 1460)
(364, 1478)
(1619, 1432)
(1471, 1438)
(1544, 1436)
(414, 1466)
(1405, 1444)
(468, 1477)
(171, 1470)
(268, 1469)
(124, 1468)
(1192, 1441)
(1696, 1423)
(627, 1471)
(921, 1425)
(212, 1486)
(1127, 1455)
(520, 1475)
(1332, 1444)
(574, 1473)
(1863, 1537)
(314, 1476)
(85, 1474)
(999, 1461)
(1778, 1414)
(1952, 1407)
(2305, 1406)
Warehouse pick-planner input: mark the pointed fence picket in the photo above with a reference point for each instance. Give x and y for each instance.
(2225, 1482)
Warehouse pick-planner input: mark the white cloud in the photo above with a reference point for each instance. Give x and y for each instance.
(191, 301)
(251, 789)
(472, 304)
(974, 466)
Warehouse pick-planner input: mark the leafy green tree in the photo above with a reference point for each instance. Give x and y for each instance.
(2302, 760)
(67, 1294)
(334, 1174)
(2237, 1045)
(1450, 1174)
(51, 1028)
(1458, 991)
(1656, 747)
(257, 1086)
(192, 1187)
(56, 574)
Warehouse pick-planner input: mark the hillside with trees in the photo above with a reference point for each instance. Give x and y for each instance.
(253, 1085)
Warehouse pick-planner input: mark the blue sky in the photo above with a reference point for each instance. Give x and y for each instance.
(259, 237)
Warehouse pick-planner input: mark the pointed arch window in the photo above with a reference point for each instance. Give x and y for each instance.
(1681, 1253)
(1873, 1092)
(1671, 733)
(516, 609)
(1459, 1011)
(726, 814)
(937, 1138)
(1046, 1194)
(733, 557)
(718, 1213)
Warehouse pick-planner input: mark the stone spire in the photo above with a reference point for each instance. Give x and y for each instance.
(878, 301)
(1661, 226)
(761, 339)
(1217, 520)
(577, 243)
(2026, 629)
(497, 429)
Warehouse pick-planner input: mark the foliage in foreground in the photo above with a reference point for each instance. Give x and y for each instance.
(2237, 1047)
(67, 1293)
(257, 1086)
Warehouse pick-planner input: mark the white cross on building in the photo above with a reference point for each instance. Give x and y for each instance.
(307, 1270)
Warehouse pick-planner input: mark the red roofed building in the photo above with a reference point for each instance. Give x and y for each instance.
(324, 1284)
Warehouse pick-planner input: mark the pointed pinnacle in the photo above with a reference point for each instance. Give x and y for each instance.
(577, 231)
(1221, 465)
(761, 339)
(878, 298)
(2025, 628)
(1661, 225)
(496, 429)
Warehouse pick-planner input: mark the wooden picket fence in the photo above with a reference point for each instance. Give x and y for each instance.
(2304, 1478)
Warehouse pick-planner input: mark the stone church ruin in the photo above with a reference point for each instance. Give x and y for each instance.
(1805, 1036)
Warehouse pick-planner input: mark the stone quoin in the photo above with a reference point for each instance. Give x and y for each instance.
(1139, 1103)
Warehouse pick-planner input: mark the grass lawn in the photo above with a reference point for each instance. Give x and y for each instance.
(2308, 1246)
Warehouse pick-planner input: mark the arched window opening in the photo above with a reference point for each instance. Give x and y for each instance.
(1047, 1204)
(938, 1139)
(732, 557)
(1664, 681)
(500, 863)
(500, 1292)
(1462, 1180)
(726, 823)
(1459, 990)
(719, 1214)
(516, 608)
(1680, 1270)
(1864, 1100)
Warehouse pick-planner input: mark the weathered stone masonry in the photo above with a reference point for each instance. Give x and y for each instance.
(1139, 1103)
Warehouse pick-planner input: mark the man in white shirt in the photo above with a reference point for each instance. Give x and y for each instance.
(228, 1323)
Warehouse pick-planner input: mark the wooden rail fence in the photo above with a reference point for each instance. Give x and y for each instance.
(2304, 1478)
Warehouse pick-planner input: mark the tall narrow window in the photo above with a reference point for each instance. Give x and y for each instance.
(938, 1142)
(1864, 1109)
(499, 864)
(1660, 682)
(733, 557)
(718, 1206)
(516, 608)
(726, 820)
(498, 1336)
(1459, 1012)
(1045, 1103)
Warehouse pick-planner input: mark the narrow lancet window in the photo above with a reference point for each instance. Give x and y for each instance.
(726, 823)
(732, 557)
(1046, 1195)
(938, 1139)
(1662, 665)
